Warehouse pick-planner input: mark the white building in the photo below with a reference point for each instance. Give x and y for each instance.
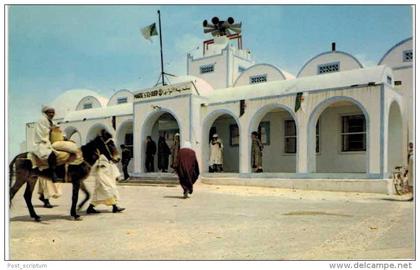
(352, 128)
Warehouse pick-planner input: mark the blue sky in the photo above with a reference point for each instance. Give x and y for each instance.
(55, 48)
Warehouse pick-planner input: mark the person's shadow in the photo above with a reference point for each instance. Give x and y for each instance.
(173, 197)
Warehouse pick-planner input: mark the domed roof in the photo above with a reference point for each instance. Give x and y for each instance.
(69, 100)
(203, 87)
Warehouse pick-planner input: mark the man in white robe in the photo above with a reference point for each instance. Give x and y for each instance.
(216, 154)
(106, 174)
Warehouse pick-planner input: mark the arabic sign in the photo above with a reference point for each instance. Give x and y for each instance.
(167, 90)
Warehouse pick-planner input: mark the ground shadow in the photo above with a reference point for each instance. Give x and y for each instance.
(174, 197)
(27, 218)
(397, 199)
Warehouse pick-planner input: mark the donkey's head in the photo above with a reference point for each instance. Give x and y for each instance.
(106, 146)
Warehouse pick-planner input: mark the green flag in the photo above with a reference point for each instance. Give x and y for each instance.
(298, 101)
(149, 31)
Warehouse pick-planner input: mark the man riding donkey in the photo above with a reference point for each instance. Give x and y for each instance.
(50, 145)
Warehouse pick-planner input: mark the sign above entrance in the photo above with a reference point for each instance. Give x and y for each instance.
(166, 90)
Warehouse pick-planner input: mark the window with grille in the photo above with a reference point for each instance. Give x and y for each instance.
(353, 133)
(328, 68)
(258, 79)
(207, 68)
(408, 56)
(289, 136)
(87, 106)
(122, 100)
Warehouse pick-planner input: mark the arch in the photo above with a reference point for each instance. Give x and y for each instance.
(313, 119)
(147, 127)
(69, 131)
(120, 133)
(95, 99)
(395, 137)
(112, 99)
(244, 73)
(324, 53)
(392, 48)
(208, 122)
(95, 129)
(255, 122)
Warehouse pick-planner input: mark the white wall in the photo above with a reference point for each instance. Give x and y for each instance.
(331, 158)
(346, 63)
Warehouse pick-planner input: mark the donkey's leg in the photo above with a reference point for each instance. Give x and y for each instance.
(75, 196)
(16, 186)
(87, 195)
(30, 184)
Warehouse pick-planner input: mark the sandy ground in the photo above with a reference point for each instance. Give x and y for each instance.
(219, 223)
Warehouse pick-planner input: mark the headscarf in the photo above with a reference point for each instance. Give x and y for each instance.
(46, 108)
(187, 144)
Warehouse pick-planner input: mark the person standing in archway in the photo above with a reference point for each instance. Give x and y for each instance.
(256, 153)
(174, 152)
(150, 154)
(216, 154)
(125, 160)
(163, 154)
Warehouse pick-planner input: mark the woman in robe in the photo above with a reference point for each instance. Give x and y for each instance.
(187, 169)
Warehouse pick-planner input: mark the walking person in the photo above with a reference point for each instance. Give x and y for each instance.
(256, 152)
(150, 154)
(216, 154)
(174, 151)
(163, 154)
(125, 160)
(187, 169)
(106, 174)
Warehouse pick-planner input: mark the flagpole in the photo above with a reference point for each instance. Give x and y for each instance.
(161, 51)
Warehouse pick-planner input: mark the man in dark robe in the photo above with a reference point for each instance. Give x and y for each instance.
(125, 160)
(150, 154)
(187, 169)
(163, 154)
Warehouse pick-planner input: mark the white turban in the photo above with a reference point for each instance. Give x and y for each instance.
(46, 108)
(187, 144)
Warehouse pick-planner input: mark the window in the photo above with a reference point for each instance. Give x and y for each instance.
(87, 106)
(258, 79)
(121, 100)
(207, 68)
(317, 136)
(234, 135)
(329, 67)
(264, 132)
(398, 82)
(408, 56)
(128, 141)
(241, 69)
(353, 133)
(289, 136)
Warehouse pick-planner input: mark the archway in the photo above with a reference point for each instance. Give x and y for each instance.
(338, 137)
(226, 126)
(160, 124)
(395, 138)
(125, 136)
(73, 134)
(95, 130)
(277, 129)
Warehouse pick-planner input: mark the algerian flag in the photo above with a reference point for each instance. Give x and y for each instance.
(149, 31)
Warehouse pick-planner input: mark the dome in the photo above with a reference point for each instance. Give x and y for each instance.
(69, 100)
(335, 60)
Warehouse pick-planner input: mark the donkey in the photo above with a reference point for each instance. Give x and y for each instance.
(24, 173)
